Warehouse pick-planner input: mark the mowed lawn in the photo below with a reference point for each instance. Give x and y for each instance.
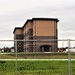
(36, 55)
(36, 67)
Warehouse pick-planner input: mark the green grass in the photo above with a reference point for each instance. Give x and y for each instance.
(36, 55)
(40, 67)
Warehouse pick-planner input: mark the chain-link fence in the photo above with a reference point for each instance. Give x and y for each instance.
(37, 57)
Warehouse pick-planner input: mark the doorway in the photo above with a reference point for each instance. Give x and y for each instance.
(45, 48)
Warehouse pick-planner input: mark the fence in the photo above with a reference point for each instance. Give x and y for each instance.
(37, 57)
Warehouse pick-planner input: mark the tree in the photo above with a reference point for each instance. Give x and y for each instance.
(6, 49)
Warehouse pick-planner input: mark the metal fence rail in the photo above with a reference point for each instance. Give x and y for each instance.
(27, 55)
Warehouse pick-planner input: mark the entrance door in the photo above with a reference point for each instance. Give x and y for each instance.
(45, 48)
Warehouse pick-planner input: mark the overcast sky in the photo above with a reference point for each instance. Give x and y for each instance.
(14, 13)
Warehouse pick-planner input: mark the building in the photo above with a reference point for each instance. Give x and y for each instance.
(37, 29)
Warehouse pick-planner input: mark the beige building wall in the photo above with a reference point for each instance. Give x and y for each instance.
(38, 29)
(44, 28)
(18, 31)
(27, 31)
(18, 35)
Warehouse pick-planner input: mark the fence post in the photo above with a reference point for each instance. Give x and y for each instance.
(69, 58)
(16, 54)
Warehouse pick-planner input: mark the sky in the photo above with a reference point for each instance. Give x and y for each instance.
(14, 13)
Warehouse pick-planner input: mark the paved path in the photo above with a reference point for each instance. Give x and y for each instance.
(35, 59)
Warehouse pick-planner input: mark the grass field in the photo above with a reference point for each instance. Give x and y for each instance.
(40, 67)
(36, 67)
(37, 56)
